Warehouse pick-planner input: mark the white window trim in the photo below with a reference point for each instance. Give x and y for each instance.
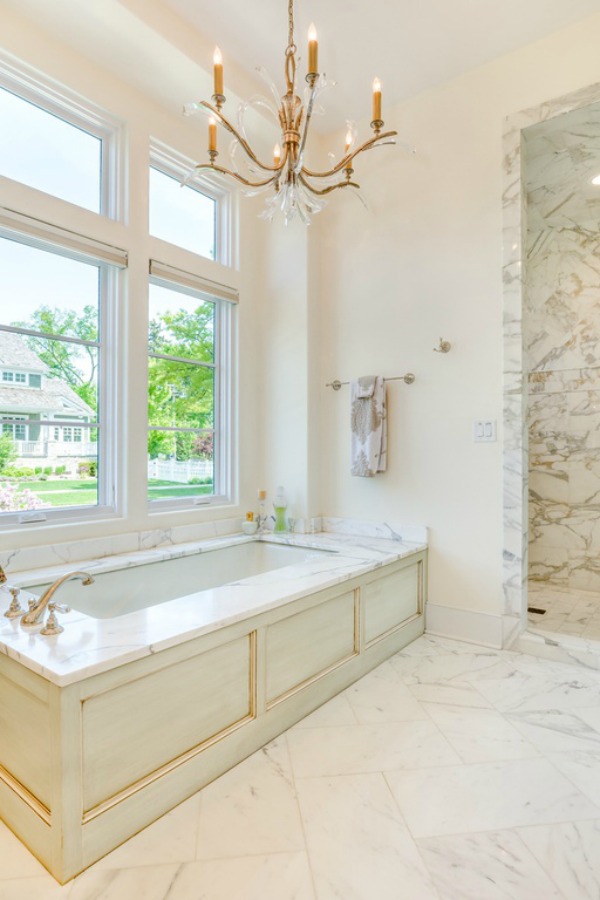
(37, 88)
(178, 166)
(224, 383)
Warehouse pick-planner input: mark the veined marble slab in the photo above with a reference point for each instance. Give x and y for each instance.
(89, 646)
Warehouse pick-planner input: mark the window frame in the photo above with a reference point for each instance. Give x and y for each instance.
(223, 366)
(39, 90)
(109, 500)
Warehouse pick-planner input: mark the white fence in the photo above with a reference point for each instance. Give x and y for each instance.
(178, 470)
(55, 449)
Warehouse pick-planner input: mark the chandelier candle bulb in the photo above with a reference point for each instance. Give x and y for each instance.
(376, 100)
(276, 155)
(212, 134)
(218, 71)
(313, 51)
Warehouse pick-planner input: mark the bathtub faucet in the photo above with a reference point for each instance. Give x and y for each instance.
(36, 610)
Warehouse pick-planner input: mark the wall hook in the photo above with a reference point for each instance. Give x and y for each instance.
(444, 347)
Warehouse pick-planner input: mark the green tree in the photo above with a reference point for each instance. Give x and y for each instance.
(180, 392)
(8, 452)
(74, 363)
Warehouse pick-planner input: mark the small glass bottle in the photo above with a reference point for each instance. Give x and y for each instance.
(280, 506)
(262, 513)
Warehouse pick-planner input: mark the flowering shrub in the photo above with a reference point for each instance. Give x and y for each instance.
(12, 500)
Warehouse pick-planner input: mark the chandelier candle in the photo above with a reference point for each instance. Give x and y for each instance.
(313, 52)
(295, 189)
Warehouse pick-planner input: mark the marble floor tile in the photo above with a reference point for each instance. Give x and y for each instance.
(149, 883)
(456, 693)
(354, 749)
(494, 865)
(570, 853)
(359, 845)
(556, 730)
(486, 797)
(251, 809)
(375, 699)
(279, 876)
(582, 768)
(480, 735)
(15, 860)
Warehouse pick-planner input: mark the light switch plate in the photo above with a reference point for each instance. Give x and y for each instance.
(484, 430)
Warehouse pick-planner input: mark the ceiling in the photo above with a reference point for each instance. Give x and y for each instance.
(411, 45)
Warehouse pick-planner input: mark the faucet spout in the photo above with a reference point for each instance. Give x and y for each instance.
(37, 610)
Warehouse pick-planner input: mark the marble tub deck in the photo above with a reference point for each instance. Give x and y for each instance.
(450, 772)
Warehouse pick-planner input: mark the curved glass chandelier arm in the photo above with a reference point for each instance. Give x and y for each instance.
(242, 142)
(368, 145)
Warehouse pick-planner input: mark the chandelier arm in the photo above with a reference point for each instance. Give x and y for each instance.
(307, 118)
(327, 190)
(240, 178)
(350, 156)
(243, 143)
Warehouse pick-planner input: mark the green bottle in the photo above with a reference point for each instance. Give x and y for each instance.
(280, 506)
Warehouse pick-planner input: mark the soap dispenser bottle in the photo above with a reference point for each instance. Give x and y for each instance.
(280, 505)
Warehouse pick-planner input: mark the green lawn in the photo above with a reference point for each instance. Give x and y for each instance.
(66, 492)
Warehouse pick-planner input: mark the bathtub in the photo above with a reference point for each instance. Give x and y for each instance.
(132, 709)
(119, 591)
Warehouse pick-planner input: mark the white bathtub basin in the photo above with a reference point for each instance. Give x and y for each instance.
(127, 590)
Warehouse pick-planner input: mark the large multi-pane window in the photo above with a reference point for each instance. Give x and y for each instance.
(189, 371)
(64, 390)
(51, 320)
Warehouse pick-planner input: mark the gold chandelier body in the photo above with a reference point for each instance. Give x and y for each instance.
(293, 183)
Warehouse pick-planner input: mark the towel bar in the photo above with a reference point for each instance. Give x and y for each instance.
(409, 378)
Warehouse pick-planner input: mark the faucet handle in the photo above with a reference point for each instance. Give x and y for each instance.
(14, 609)
(52, 625)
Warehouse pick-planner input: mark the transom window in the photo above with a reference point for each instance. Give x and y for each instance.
(52, 142)
(182, 215)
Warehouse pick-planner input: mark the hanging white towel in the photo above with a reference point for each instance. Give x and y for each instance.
(368, 423)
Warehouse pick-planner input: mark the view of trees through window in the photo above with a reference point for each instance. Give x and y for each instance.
(181, 393)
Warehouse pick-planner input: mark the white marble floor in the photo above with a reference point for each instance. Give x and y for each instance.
(567, 610)
(451, 772)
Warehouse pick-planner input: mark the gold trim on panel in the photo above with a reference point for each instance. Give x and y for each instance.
(26, 796)
(312, 679)
(163, 770)
(253, 676)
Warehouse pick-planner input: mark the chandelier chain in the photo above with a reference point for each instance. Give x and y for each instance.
(291, 47)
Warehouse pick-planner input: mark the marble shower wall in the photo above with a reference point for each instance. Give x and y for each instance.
(562, 347)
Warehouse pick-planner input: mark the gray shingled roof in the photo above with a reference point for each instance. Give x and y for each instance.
(54, 396)
(14, 352)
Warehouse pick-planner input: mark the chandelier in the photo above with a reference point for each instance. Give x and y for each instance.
(293, 187)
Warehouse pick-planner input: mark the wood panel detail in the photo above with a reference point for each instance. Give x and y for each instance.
(304, 646)
(390, 600)
(139, 727)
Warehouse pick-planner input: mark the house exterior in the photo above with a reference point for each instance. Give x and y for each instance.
(31, 400)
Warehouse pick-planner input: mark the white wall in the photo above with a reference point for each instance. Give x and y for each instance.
(425, 262)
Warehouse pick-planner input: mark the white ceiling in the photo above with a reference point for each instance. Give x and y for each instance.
(411, 45)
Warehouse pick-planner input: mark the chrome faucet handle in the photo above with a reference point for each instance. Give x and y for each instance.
(15, 608)
(52, 625)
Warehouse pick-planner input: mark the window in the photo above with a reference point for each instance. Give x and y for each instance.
(55, 317)
(182, 215)
(20, 377)
(189, 391)
(53, 142)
